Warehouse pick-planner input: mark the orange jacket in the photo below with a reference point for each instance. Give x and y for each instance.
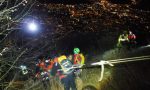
(49, 67)
(42, 65)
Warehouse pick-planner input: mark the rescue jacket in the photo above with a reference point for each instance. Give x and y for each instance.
(131, 37)
(79, 59)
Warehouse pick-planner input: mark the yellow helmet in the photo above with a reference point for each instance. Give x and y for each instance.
(63, 57)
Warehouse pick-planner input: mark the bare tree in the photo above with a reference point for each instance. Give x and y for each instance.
(11, 13)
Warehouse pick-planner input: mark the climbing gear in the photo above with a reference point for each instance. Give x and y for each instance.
(115, 61)
(65, 64)
(102, 63)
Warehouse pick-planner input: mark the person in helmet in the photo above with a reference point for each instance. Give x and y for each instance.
(132, 40)
(65, 72)
(69, 77)
(40, 67)
(41, 63)
(79, 60)
(78, 57)
(123, 40)
(49, 64)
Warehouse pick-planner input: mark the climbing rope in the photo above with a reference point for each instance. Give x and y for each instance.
(129, 58)
(102, 63)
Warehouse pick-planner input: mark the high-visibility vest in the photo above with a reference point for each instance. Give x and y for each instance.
(79, 59)
(66, 65)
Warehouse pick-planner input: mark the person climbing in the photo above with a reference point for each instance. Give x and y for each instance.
(123, 40)
(49, 64)
(132, 40)
(65, 72)
(40, 67)
(79, 61)
(69, 77)
(41, 63)
(55, 67)
(78, 57)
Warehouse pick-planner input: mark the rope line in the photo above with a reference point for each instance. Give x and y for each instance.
(140, 59)
(102, 63)
(102, 72)
(130, 58)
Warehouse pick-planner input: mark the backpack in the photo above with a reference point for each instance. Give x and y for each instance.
(66, 66)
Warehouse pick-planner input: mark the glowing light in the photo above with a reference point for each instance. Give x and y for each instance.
(32, 26)
(24, 69)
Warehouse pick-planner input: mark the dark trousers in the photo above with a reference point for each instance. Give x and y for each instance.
(132, 44)
(69, 82)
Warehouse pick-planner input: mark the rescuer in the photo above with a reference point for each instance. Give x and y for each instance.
(78, 57)
(132, 40)
(79, 61)
(64, 70)
(123, 40)
(49, 65)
